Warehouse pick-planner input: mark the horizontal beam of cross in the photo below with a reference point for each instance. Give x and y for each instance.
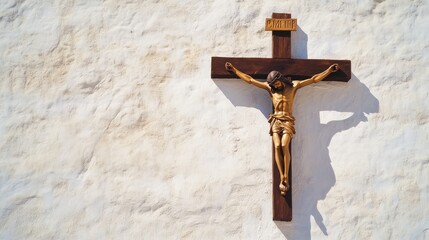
(298, 69)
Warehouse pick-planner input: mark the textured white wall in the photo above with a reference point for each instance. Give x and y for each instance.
(111, 127)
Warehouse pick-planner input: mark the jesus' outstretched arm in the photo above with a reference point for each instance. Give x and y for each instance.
(319, 77)
(246, 77)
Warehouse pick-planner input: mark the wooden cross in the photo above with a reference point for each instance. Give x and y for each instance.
(298, 69)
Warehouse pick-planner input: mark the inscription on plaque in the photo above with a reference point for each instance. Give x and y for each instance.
(276, 24)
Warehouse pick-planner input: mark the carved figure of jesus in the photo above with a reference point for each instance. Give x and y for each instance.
(282, 91)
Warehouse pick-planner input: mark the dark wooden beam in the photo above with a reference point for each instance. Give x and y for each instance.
(298, 69)
(282, 40)
(282, 205)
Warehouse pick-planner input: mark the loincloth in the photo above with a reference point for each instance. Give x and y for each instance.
(282, 124)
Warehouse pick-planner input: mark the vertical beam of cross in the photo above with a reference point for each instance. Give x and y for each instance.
(282, 206)
(282, 39)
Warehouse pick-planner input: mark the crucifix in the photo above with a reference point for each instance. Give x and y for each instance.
(284, 77)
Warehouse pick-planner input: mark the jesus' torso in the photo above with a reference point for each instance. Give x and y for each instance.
(283, 101)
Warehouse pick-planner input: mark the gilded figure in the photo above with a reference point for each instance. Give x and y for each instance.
(282, 91)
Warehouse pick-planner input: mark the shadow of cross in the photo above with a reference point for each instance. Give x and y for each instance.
(297, 69)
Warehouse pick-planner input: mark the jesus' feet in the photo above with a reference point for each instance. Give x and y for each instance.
(284, 186)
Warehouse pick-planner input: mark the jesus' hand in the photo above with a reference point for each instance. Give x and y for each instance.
(229, 66)
(334, 67)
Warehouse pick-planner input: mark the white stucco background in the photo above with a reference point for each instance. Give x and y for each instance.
(112, 128)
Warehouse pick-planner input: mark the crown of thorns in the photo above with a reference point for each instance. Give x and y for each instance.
(279, 76)
(276, 76)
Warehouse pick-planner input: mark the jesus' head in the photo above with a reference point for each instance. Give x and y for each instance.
(278, 81)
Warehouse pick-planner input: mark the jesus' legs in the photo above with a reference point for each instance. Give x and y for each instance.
(285, 141)
(277, 140)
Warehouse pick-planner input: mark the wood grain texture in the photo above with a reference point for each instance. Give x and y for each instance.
(298, 69)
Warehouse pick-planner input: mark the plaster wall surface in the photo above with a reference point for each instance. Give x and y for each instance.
(111, 127)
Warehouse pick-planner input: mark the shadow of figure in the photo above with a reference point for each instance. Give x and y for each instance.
(312, 172)
(313, 175)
